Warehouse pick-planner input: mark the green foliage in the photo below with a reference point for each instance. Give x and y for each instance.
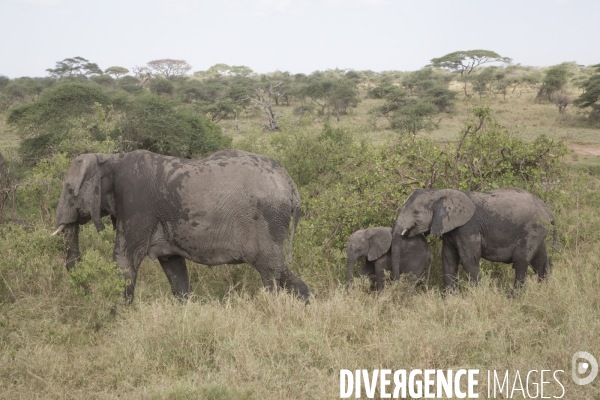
(161, 86)
(590, 98)
(464, 62)
(130, 84)
(76, 66)
(103, 80)
(94, 276)
(408, 114)
(168, 67)
(116, 71)
(425, 79)
(306, 157)
(555, 80)
(332, 94)
(155, 123)
(44, 123)
(489, 156)
(4, 81)
(28, 265)
(369, 187)
(219, 70)
(414, 116)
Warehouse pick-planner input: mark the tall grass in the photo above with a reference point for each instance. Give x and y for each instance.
(271, 346)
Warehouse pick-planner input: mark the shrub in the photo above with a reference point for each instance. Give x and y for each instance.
(369, 188)
(94, 277)
(43, 124)
(156, 123)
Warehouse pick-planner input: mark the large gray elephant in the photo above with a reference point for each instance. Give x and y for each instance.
(231, 207)
(374, 244)
(507, 225)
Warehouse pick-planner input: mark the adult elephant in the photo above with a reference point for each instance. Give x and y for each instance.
(374, 244)
(231, 207)
(507, 225)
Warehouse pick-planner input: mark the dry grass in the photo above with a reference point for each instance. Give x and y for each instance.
(269, 346)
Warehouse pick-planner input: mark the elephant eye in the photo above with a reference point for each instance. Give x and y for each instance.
(71, 191)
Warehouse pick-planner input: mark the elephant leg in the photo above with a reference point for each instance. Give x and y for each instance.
(450, 261)
(130, 276)
(177, 273)
(271, 279)
(128, 268)
(541, 263)
(469, 251)
(380, 265)
(294, 284)
(369, 270)
(520, 267)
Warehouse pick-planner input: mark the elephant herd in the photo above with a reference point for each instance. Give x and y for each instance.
(236, 207)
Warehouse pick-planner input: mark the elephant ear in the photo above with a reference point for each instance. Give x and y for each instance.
(85, 178)
(379, 243)
(451, 211)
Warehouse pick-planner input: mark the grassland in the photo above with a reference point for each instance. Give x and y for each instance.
(233, 340)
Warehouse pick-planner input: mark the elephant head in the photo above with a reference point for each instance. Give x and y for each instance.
(433, 211)
(81, 201)
(371, 243)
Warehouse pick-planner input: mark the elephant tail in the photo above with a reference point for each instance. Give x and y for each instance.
(293, 230)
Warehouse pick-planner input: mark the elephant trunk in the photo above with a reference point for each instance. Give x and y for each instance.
(73, 255)
(396, 253)
(350, 262)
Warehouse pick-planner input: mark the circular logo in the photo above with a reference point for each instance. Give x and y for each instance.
(582, 367)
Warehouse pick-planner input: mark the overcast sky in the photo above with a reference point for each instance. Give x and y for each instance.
(293, 35)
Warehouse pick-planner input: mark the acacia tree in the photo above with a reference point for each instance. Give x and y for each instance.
(330, 92)
(465, 62)
(76, 66)
(169, 67)
(554, 81)
(116, 71)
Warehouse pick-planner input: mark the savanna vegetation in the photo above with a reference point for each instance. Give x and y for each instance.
(356, 143)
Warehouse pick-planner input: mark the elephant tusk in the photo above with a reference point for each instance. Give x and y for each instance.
(403, 232)
(60, 228)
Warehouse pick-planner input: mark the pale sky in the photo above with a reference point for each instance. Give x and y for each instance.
(293, 35)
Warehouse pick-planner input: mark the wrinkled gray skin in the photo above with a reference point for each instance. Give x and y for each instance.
(375, 245)
(507, 225)
(231, 207)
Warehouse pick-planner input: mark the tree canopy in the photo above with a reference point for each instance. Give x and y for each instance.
(590, 98)
(116, 71)
(169, 67)
(465, 62)
(555, 79)
(76, 66)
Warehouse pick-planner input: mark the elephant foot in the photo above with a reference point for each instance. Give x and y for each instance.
(295, 285)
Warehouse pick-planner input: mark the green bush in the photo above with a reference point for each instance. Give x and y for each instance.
(156, 123)
(96, 277)
(307, 156)
(369, 188)
(43, 124)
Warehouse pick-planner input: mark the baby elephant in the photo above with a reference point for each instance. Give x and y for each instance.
(375, 245)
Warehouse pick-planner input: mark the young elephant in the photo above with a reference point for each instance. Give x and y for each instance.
(506, 225)
(375, 245)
